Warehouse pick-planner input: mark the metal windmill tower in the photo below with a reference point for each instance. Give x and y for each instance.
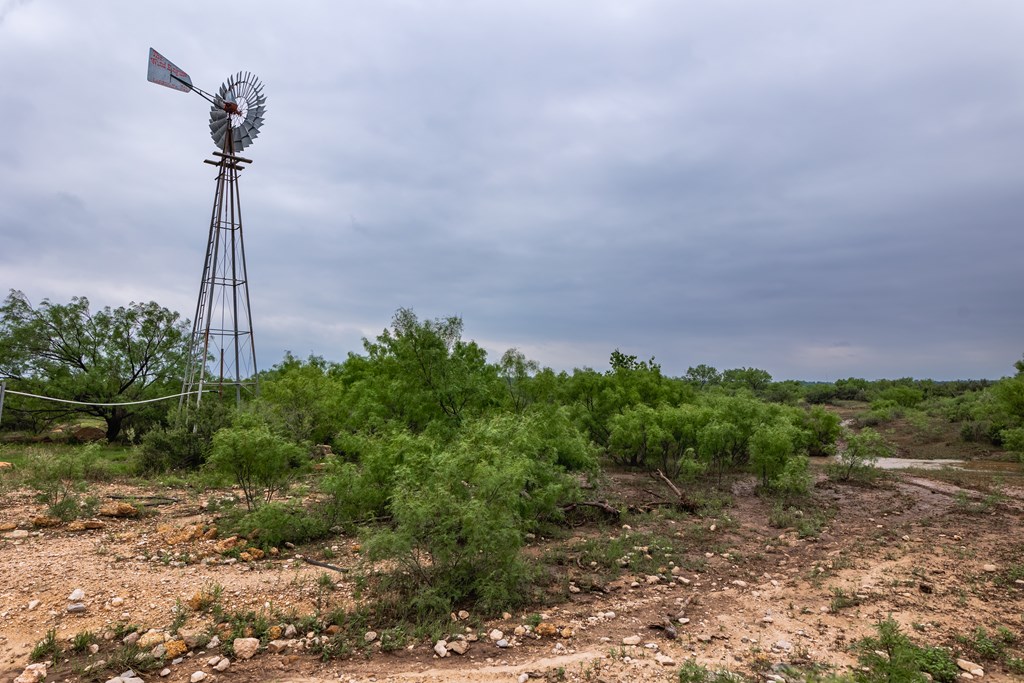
(223, 350)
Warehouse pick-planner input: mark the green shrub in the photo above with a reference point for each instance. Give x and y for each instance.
(186, 441)
(891, 656)
(822, 429)
(57, 479)
(274, 523)
(795, 479)
(261, 462)
(460, 511)
(859, 456)
(771, 447)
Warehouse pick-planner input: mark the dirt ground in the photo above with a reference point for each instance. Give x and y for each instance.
(939, 558)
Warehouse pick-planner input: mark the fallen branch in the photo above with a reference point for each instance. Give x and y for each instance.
(684, 502)
(610, 511)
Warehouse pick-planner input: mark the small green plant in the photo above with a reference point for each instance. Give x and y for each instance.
(841, 600)
(891, 656)
(984, 645)
(81, 642)
(692, 672)
(47, 649)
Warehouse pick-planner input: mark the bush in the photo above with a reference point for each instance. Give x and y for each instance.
(891, 656)
(796, 479)
(274, 523)
(185, 443)
(859, 456)
(57, 479)
(460, 511)
(260, 462)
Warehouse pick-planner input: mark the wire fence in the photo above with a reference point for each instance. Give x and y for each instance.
(4, 391)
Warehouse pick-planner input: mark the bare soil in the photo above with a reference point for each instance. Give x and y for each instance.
(911, 546)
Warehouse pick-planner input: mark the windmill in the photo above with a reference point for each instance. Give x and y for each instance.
(222, 354)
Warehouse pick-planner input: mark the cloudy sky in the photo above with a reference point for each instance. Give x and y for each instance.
(819, 189)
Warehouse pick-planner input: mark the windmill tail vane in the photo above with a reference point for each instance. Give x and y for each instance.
(223, 351)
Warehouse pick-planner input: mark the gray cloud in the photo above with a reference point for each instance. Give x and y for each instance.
(819, 191)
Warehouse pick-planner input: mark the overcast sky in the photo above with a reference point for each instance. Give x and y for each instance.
(818, 189)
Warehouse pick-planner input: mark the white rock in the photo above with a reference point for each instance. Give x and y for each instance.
(631, 640)
(222, 665)
(116, 602)
(245, 648)
(290, 631)
(198, 676)
(503, 643)
(970, 667)
(459, 647)
(989, 568)
(664, 660)
(369, 636)
(32, 604)
(277, 646)
(165, 672)
(523, 678)
(441, 648)
(739, 584)
(212, 661)
(77, 595)
(463, 614)
(495, 635)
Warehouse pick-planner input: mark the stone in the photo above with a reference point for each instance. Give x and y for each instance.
(191, 637)
(85, 525)
(989, 568)
(463, 614)
(459, 647)
(523, 677)
(32, 604)
(520, 630)
(441, 648)
(783, 645)
(503, 643)
(17, 533)
(176, 648)
(131, 638)
(198, 676)
(664, 660)
(77, 595)
(369, 636)
(119, 509)
(214, 642)
(45, 521)
(222, 665)
(150, 638)
(495, 635)
(212, 661)
(116, 602)
(566, 632)
(739, 584)
(158, 652)
(545, 628)
(32, 673)
(76, 608)
(245, 648)
(165, 672)
(970, 667)
(290, 631)
(631, 640)
(277, 646)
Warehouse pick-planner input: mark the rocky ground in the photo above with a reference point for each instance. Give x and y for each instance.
(734, 593)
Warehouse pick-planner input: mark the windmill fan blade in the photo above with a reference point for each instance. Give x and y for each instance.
(245, 90)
